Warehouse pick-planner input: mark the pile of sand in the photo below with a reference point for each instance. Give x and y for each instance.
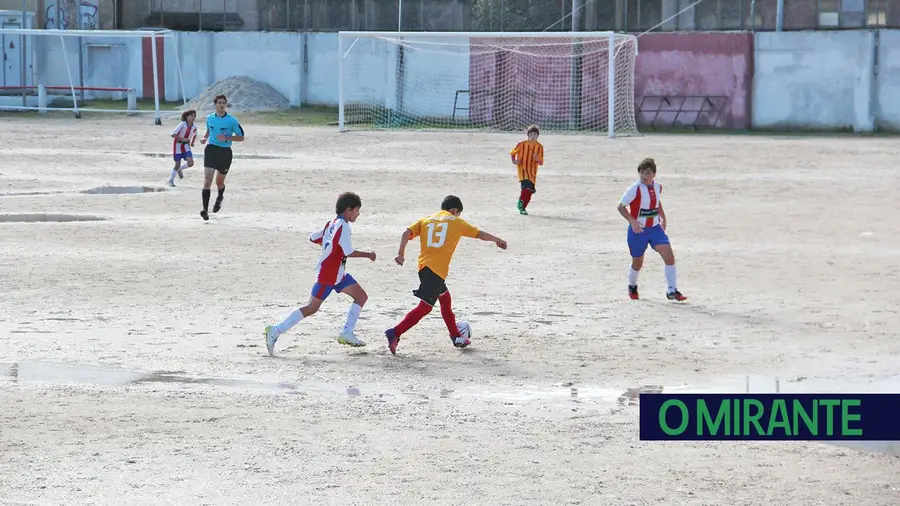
(244, 95)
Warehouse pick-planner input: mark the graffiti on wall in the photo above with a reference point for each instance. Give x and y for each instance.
(72, 15)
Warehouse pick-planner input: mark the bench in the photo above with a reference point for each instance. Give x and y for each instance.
(697, 106)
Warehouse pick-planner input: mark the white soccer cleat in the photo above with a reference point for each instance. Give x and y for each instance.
(350, 339)
(271, 334)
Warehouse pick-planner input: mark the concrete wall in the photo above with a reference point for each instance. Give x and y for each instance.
(886, 107)
(696, 64)
(814, 80)
(206, 57)
(788, 80)
(311, 75)
(107, 62)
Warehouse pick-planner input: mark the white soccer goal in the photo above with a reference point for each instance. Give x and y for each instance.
(576, 82)
(84, 65)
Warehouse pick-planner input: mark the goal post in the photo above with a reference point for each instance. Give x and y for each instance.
(565, 82)
(100, 64)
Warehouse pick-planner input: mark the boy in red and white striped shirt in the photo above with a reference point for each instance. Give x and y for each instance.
(642, 206)
(183, 138)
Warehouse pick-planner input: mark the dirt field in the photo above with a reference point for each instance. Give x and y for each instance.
(133, 369)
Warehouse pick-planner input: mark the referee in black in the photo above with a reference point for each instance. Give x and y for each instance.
(221, 130)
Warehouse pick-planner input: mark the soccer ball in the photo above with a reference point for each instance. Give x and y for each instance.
(464, 329)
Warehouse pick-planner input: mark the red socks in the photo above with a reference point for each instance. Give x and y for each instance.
(412, 318)
(447, 314)
(525, 197)
(420, 311)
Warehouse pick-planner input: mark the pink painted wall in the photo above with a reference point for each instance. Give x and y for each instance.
(533, 83)
(509, 89)
(696, 64)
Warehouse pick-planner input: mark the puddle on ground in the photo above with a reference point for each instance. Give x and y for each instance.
(552, 399)
(632, 396)
(539, 397)
(47, 218)
(122, 190)
(239, 156)
(31, 193)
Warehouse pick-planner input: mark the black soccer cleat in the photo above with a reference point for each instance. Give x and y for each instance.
(217, 205)
(204, 215)
(633, 292)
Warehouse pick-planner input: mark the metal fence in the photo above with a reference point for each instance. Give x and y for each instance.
(516, 15)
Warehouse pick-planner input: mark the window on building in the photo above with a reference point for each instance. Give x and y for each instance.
(843, 13)
(643, 14)
(877, 13)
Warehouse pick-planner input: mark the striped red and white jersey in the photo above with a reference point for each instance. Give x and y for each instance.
(336, 245)
(182, 130)
(643, 202)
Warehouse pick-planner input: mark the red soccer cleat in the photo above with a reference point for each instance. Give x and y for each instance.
(676, 295)
(633, 292)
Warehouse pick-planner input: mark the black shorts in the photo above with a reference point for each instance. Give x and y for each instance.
(528, 185)
(431, 286)
(217, 157)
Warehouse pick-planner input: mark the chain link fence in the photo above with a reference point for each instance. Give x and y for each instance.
(512, 15)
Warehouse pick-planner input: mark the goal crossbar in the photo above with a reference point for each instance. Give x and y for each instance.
(348, 39)
(498, 35)
(163, 32)
(153, 34)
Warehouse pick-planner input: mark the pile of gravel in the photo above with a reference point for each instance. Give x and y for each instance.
(244, 95)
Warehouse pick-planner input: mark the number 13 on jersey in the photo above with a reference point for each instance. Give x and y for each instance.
(437, 234)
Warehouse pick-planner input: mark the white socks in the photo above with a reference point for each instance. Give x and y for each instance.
(172, 177)
(671, 278)
(296, 316)
(352, 317)
(289, 322)
(632, 276)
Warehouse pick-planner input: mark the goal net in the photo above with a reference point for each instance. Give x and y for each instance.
(62, 70)
(562, 81)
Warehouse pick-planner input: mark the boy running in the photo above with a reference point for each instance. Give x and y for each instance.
(183, 137)
(438, 236)
(331, 277)
(642, 206)
(527, 156)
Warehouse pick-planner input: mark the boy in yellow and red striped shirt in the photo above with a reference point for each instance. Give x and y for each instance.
(527, 156)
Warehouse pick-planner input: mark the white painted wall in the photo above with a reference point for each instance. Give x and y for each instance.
(432, 73)
(813, 80)
(887, 82)
(207, 57)
(369, 71)
(802, 80)
(435, 69)
(107, 62)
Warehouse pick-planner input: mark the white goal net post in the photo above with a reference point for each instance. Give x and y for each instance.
(564, 82)
(84, 65)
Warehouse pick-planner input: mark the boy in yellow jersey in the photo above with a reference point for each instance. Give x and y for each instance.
(527, 156)
(438, 236)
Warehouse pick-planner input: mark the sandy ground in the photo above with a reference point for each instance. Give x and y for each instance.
(133, 371)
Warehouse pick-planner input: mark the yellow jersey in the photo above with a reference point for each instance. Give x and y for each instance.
(530, 156)
(438, 236)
